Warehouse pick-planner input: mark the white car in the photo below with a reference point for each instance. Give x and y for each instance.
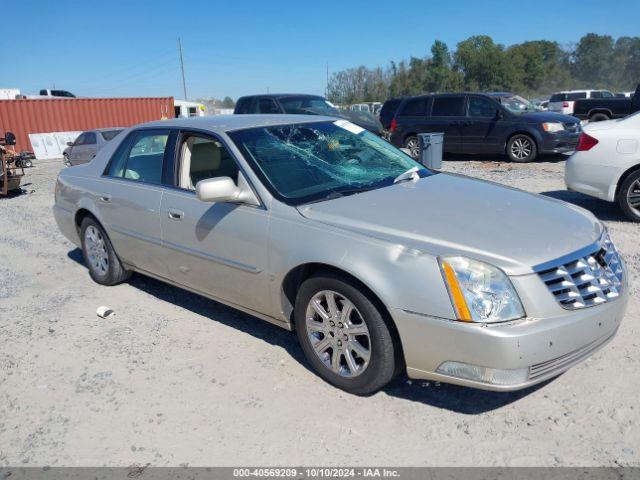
(562, 102)
(606, 163)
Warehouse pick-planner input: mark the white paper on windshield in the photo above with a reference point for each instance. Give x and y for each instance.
(351, 127)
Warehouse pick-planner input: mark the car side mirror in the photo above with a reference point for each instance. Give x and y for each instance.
(9, 138)
(499, 114)
(224, 189)
(69, 144)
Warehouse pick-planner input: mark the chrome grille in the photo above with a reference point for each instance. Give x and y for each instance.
(587, 281)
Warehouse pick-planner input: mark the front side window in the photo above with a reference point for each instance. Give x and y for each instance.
(448, 107)
(202, 158)
(482, 107)
(315, 161)
(140, 157)
(80, 140)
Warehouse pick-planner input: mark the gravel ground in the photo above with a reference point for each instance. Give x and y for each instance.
(176, 379)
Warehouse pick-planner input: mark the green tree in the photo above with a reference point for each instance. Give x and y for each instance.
(227, 102)
(483, 64)
(593, 61)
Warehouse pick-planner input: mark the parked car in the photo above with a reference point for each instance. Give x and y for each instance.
(319, 226)
(606, 164)
(304, 105)
(45, 92)
(562, 102)
(602, 109)
(476, 123)
(88, 143)
(513, 102)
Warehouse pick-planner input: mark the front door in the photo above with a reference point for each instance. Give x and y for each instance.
(129, 198)
(219, 249)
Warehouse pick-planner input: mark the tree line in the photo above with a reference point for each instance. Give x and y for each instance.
(533, 68)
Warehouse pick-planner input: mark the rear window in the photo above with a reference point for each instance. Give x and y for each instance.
(448, 107)
(414, 107)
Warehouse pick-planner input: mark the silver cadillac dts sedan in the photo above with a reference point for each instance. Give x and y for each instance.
(378, 264)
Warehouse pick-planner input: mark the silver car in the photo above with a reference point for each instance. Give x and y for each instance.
(88, 143)
(378, 264)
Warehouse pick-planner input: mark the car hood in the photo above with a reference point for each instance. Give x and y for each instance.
(446, 214)
(366, 120)
(539, 117)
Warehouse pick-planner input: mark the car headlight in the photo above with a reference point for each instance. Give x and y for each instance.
(552, 127)
(480, 292)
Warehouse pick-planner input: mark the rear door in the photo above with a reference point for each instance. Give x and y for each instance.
(129, 196)
(481, 130)
(448, 116)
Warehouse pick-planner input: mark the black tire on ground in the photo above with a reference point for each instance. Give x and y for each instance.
(383, 352)
(411, 143)
(599, 117)
(114, 272)
(521, 148)
(28, 163)
(629, 196)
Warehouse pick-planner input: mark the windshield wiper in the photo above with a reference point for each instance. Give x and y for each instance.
(411, 174)
(343, 193)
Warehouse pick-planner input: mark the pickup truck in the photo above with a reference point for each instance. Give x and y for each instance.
(599, 109)
(47, 93)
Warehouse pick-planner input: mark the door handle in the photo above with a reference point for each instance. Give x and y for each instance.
(105, 197)
(175, 214)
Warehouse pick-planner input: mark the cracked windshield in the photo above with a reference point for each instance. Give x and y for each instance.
(320, 161)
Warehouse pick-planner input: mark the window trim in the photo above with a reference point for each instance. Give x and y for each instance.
(174, 172)
(127, 144)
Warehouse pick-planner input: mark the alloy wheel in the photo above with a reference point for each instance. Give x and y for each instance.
(633, 197)
(413, 147)
(521, 148)
(96, 250)
(338, 334)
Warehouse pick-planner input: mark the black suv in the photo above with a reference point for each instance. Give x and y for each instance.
(301, 104)
(476, 123)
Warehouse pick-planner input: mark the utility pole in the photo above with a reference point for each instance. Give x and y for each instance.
(326, 88)
(184, 83)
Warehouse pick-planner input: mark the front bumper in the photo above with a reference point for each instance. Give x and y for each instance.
(559, 142)
(545, 347)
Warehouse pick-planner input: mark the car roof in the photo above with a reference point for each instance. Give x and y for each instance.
(282, 95)
(228, 123)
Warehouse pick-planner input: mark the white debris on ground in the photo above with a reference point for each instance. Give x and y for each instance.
(175, 379)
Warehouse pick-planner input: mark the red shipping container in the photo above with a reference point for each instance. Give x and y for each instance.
(23, 117)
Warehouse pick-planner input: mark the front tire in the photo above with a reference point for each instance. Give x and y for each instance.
(343, 334)
(104, 265)
(522, 148)
(629, 196)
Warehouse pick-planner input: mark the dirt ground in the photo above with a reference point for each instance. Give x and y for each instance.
(176, 379)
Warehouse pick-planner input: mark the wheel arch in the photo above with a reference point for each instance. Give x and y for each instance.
(604, 111)
(297, 275)
(624, 176)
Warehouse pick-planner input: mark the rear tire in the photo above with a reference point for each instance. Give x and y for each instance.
(629, 196)
(28, 163)
(599, 117)
(343, 334)
(411, 144)
(522, 148)
(104, 265)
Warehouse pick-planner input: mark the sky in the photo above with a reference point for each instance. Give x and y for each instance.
(130, 48)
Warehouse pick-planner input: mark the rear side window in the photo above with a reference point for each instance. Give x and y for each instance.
(596, 94)
(90, 138)
(244, 105)
(558, 97)
(140, 157)
(576, 96)
(109, 134)
(267, 105)
(448, 107)
(414, 107)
